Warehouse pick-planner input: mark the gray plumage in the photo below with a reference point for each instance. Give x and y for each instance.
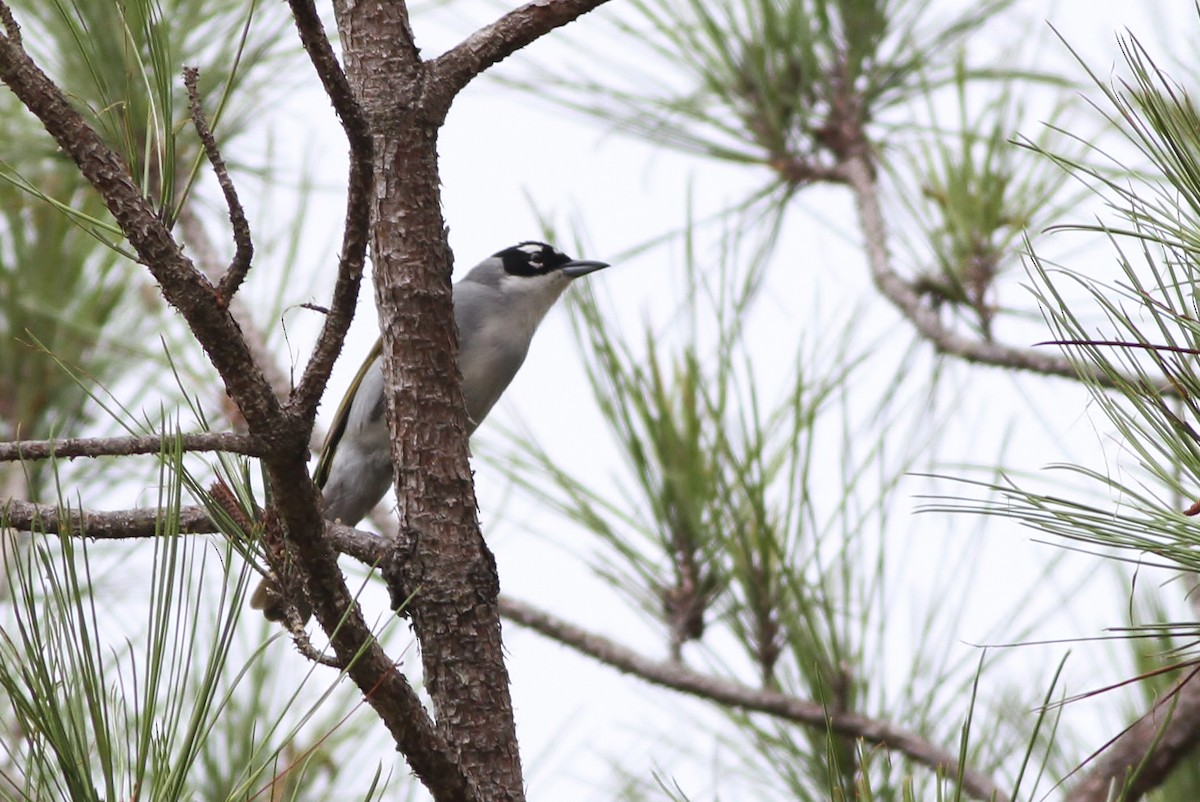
(498, 306)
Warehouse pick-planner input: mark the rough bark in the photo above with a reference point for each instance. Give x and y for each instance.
(453, 576)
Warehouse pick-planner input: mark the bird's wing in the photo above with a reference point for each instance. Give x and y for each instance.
(329, 447)
(488, 356)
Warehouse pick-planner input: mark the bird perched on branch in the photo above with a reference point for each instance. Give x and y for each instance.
(498, 306)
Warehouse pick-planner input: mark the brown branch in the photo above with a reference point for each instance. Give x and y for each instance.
(204, 254)
(860, 176)
(455, 68)
(106, 525)
(73, 447)
(144, 522)
(675, 676)
(243, 246)
(1149, 751)
(356, 234)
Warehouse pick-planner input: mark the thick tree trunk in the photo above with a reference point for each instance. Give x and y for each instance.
(447, 567)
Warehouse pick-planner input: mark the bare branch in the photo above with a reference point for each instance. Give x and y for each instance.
(123, 446)
(1153, 747)
(304, 644)
(243, 247)
(108, 525)
(455, 68)
(675, 676)
(356, 235)
(858, 174)
(143, 522)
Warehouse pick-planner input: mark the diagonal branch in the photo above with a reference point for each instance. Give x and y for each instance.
(1148, 752)
(858, 174)
(204, 254)
(70, 448)
(11, 29)
(356, 234)
(455, 68)
(675, 676)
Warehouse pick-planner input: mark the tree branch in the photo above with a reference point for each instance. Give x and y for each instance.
(356, 234)
(455, 68)
(669, 674)
(1147, 752)
(143, 522)
(71, 448)
(11, 29)
(204, 255)
(243, 246)
(859, 175)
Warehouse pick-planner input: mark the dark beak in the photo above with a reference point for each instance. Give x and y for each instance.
(581, 267)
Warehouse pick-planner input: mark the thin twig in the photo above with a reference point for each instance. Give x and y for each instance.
(675, 676)
(243, 246)
(304, 645)
(70, 448)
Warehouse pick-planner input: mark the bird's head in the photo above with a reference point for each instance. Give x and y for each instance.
(532, 264)
(539, 259)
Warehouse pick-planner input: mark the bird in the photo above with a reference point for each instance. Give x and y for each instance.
(498, 306)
